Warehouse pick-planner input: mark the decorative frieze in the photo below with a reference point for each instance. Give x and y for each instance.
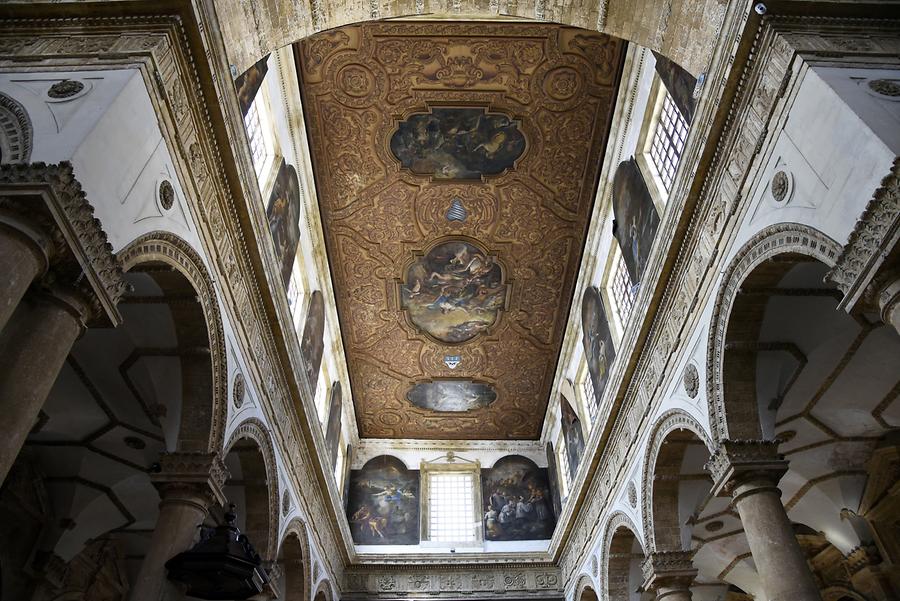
(453, 580)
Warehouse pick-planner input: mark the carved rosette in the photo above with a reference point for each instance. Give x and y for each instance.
(738, 461)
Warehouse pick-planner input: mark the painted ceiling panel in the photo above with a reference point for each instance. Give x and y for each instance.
(456, 166)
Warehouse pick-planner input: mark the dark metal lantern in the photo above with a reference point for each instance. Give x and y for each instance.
(223, 565)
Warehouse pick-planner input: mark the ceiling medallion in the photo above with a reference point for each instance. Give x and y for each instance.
(451, 395)
(457, 143)
(455, 292)
(65, 89)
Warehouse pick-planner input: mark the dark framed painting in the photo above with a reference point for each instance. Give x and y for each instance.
(458, 143)
(599, 352)
(312, 344)
(680, 85)
(571, 427)
(383, 503)
(454, 292)
(333, 427)
(517, 501)
(636, 220)
(283, 214)
(247, 84)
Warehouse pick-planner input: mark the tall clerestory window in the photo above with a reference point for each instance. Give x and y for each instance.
(451, 507)
(668, 141)
(623, 292)
(255, 136)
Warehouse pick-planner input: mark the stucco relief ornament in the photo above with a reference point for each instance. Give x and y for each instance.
(889, 88)
(780, 186)
(286, 503)
(238, 391)
(632, 495)
(65, 89)
(166, 195)
(691, 381)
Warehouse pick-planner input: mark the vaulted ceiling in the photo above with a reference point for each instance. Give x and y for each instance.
(456, 167)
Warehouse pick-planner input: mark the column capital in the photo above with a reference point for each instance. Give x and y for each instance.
(46, 204)
(738, 461)
(191, 476)
(673, 570)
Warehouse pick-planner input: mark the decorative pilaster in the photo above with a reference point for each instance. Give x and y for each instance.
(669, 574)
(188, 484)
(749, 471)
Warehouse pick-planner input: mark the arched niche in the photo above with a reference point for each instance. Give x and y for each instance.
(293, 557)
(622, 556)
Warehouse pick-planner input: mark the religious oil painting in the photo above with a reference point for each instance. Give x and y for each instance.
(312, 344)
(383, 503)
(636, 220)
(571, 427)
(283, 214)
(248, 83)
(597, 340)
(517, 501)
(451, 395)
(333, 429)
(455, 292)
(458, 143)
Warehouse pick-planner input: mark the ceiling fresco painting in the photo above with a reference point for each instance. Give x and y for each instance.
(451, 395)
(456, 166)
(455, 292)
(457, 143)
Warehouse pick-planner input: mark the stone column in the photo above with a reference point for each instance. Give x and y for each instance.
(23, 257)
(749, 471)
(669, 575)
(35, 346)
(188, 484)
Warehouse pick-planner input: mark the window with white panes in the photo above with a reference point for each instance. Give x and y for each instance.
(622, 291)
(668, 141)
(451, 507)
(256, 138)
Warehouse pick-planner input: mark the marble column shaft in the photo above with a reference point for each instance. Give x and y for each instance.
(33, 349)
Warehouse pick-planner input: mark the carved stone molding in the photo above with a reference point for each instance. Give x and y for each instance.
(453, 580)
(253, 429)
(675, 419)
(669, 569)
(872, 240)
(16, 131)
(175, 252)
(738, 461)
(770, 242)
(191, 475)
(48, 200)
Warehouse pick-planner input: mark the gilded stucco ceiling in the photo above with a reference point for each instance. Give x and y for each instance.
(456, 166)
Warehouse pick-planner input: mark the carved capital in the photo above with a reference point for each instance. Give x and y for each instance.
(862, 557)
(669, 570)
(738, 461)
(47, 204)
(196, 477)
(874, 236)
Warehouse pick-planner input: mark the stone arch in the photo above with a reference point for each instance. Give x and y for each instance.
(16, 131)
(649, 23)
(729, 419)
(293, 556)
(675, 419)
(620, 531)
(585, 590)
(261, 516)
(323, 591)
(202, 426)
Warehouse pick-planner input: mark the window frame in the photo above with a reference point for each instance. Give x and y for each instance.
(658, 191)
(458, 465)
(562, 465)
